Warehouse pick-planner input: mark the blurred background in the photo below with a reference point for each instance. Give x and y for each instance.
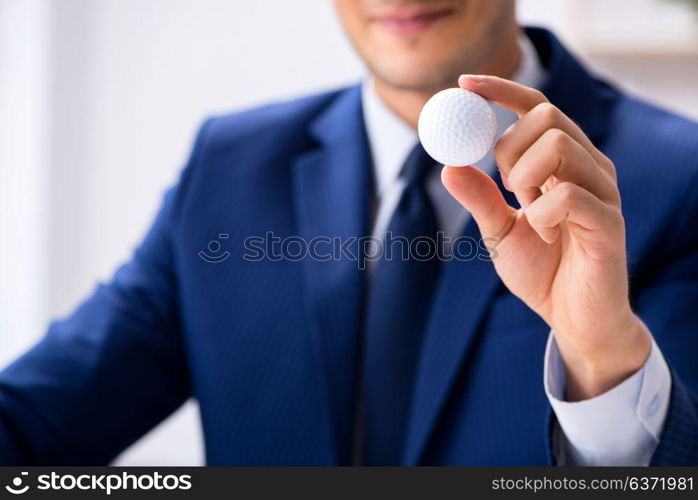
(100, 99)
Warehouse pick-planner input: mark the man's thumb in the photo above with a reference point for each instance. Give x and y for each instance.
(479, 194)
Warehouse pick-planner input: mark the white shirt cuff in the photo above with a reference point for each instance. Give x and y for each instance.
(619, 427)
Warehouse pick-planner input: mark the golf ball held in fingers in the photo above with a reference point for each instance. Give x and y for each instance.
(457, 127)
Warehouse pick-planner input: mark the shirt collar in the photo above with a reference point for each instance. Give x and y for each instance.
(391, 139)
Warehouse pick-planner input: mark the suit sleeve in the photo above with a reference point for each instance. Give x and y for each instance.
(668, 303)
(105, 375)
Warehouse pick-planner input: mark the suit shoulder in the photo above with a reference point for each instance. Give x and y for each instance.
(276, 122)
(255, 140)
(655, 151)
(653, 132)
(656, 157)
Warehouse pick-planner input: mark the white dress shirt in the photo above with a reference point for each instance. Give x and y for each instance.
(619, 427)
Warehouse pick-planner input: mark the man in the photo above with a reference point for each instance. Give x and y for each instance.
(411, 361)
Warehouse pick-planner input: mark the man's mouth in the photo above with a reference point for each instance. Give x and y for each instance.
(410, 21)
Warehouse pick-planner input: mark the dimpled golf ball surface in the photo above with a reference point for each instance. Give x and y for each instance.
(457, 127)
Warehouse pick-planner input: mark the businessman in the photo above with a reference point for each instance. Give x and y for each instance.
(571, 340)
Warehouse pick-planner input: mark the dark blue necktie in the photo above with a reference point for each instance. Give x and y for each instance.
(399, 299)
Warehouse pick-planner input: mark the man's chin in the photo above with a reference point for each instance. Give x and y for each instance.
(422, 83)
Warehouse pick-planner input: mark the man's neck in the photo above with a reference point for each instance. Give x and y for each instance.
(407, 103)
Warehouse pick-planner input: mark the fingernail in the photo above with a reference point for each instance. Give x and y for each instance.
(505, 182)
(474, 78)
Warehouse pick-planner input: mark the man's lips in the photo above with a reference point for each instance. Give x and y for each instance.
(406, 23)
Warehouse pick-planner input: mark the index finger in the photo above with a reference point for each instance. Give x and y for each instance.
(506, 93)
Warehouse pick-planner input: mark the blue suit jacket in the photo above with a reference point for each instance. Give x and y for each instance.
(269, 348)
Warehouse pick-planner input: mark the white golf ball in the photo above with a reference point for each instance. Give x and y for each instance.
(457, 127)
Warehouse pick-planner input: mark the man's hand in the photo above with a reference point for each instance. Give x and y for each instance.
(564, 253)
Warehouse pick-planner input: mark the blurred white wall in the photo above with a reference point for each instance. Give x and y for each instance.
(24, 161)
(99, 101)
(647, 47)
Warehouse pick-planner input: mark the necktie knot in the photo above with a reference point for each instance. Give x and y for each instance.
(417, 165)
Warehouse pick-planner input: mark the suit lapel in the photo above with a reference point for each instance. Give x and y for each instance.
(466, 288)
(332, 186)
